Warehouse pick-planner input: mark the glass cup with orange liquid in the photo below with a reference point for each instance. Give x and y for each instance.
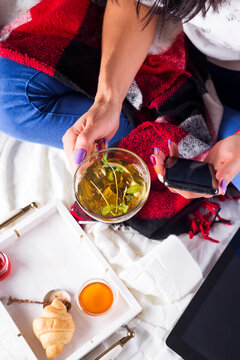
(96, 297)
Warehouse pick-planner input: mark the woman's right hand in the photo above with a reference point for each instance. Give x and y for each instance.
(98, 125)
(158, 159)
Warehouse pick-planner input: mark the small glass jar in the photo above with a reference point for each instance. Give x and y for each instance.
(5, 266)
(96, 297)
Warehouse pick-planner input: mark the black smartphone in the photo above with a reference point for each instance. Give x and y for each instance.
(190, 175)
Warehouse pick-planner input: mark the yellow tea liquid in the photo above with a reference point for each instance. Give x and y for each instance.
(111, 187)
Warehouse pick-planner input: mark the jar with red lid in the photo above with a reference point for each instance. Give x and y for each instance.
(5, 266)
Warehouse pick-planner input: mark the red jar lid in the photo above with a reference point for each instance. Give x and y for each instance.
(4, 266)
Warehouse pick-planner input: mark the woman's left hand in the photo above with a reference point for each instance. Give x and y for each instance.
(224, 155)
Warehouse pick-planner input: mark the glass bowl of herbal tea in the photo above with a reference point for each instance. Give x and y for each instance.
(112, 185)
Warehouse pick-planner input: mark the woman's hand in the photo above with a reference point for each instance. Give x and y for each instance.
(158, 159)
(225, 157)
(98, 125)
(125, 44)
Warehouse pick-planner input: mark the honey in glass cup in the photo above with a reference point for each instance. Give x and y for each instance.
(96, 297)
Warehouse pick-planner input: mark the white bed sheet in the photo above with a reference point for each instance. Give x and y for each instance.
(32, 172)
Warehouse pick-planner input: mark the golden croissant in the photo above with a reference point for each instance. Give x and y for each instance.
(54, 328)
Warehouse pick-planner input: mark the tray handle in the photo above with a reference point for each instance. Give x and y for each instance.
(113, 351)
(17, 214)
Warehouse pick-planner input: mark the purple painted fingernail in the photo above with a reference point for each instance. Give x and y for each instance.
(105, 142)
(153, 160)
(97, 147)
(156, 151)
(169, 142)
(223, 186)
(79, 156)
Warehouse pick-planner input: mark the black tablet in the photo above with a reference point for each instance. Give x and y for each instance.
(209, 328)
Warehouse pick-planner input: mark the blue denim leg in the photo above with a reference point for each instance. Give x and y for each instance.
(36, 107)
(229, 125)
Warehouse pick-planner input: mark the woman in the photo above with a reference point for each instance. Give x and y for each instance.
(117, 72)
(125, 44)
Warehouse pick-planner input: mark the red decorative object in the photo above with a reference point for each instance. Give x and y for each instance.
(5, 266)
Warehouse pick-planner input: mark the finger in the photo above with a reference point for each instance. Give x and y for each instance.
(69, 140)
(173, 149)
(98, 145)
(226, 173)
(85, 141)
(157, 160)
(101, 144)
(189, 194)
(173, 190)
(69, 143)
(105, 143)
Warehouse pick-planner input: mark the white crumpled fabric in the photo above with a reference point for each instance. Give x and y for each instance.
(11, 347)
(163, 276)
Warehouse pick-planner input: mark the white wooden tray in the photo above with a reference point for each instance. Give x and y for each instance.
(53, 252)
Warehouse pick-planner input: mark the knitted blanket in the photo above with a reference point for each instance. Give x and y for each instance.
(169, 98)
